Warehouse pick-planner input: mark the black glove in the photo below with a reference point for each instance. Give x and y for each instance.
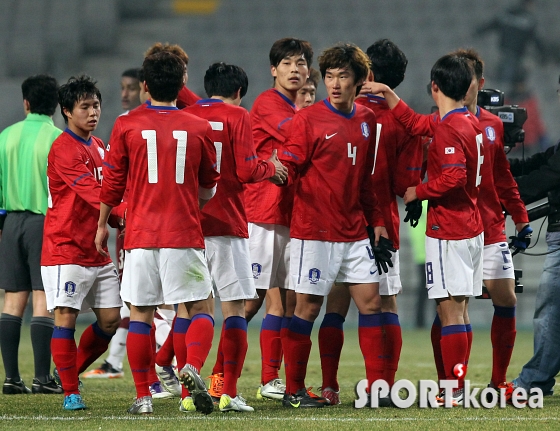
(381, 251)
(413, 212)
(522, 240)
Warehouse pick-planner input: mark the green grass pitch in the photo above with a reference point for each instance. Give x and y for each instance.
(108, 401)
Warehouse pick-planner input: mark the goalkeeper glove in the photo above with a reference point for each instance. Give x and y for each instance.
(521, 241)
(381, 251)
(413, 212)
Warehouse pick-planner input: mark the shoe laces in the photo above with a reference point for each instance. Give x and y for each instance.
(216, 383)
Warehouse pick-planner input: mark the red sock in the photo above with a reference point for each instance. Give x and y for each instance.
(152, 376)
(370, 334)
(235, 349)
(392, 345)
(454, 346)
(436, 347)
(64, 352)
(296, 353)
(468, 328)
(179, 336)
(199, 340)
(271, 347)
(331, 340)
(93, 343)
(219, 364)
(503, 338)
(139, 351)
(164, 356)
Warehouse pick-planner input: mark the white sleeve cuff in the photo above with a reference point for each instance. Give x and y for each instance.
(206, 194)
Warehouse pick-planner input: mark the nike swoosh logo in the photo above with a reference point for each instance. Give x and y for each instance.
(373, 272)
(295, 405)
(506, 267)
(330, 136)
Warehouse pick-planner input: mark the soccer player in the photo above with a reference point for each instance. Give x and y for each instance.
(75, 276)
(168, 157)
(224, 223)
(269, 208)
(454, 233)
(330, 153)
(24, 148)
(130, 89)
(397, 166)
(186, 97)
(306, 94)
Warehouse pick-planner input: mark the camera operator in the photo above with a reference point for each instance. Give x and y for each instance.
(539, 177)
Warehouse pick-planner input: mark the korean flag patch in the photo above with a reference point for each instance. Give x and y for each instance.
(490, 133)
(365, 130)
(449, 150)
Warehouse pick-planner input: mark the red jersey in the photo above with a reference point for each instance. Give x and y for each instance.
(74, 175)
(271, 117)
(398, 163)
(454, 161)
(237, 164)
(333, 154)
(186, 98)
(498, 186)
(168, 156)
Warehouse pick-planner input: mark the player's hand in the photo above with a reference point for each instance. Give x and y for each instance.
(381, 248)
(281, 172)
(372, 87)
(522, 240)
(413, 212)
(410, 195)
(101, 239)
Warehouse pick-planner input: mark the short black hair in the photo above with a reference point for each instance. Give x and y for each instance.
(288, 47)
(453, 76)
(388, 63)
(41, 91)
(131, 73)
(76, 89)
(224, 80)
(474, 57)
(141, 74)
(164, 74)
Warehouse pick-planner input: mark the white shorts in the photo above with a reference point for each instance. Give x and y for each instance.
(390, 282)
(229, 263)
(157, 276)
(81, 287)
(269, 245)
(498, 263)
(316, 265)
(454, 267)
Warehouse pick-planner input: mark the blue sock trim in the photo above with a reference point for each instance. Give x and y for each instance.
(286, 322)
(271, 323)
(181, 325)
(236, 322)
(333, 320)
(390, 319)
(507, 312)
(203, 316)
(137, 327)
(369, 320)
(452, 329)
(97, 331)
(62, 332)
(301, 326)
(468, 327)
(437, 322)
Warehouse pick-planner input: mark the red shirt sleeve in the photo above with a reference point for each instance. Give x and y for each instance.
(208, 176)
(297, 149)
(115, 168)
(409, 164)
(415, 124)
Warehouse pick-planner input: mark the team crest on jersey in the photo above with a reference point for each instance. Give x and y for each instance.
(449, 150)
(490, 133)
(70, 288)
(314, 275)
(101, 152)
(365, 130)
(257, 269)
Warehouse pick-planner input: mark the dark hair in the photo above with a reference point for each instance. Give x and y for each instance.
(76, 89)
(453, 75)
(164, 74)
(471, 55)
(288, 47)
(346, 55)
(141, 74)
(166, 47)
(131, 73)
(314, 77)
(41, 91)
(388, 63)
(224, 80)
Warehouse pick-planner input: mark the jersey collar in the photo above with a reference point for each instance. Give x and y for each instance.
(207, 101)
(336, 111)
(78, 138)
(455, 111)
(292, 104)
